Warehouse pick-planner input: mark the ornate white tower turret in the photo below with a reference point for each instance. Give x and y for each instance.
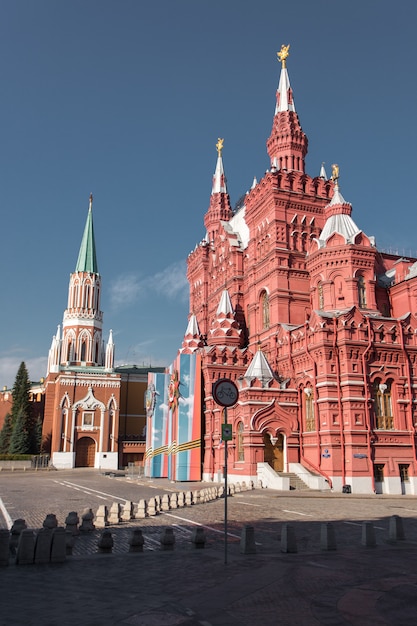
(109, 364)
(55, 352)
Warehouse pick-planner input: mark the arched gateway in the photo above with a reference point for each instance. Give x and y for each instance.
(274, 451)
(85, 452)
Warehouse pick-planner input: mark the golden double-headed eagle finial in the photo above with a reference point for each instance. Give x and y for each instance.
(335, 173)
(283, 54)
(219, 146)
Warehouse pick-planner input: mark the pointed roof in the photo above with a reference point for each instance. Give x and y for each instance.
(260, 369)
(87, 260)
(219, 179)
(225, 305)
(109, 358)
(323, 172)
(224, 328)
(192, 327)
(338, 214)
(285, 100)
(337, 198)
(287, 144)
(192, 338)
(219, 208)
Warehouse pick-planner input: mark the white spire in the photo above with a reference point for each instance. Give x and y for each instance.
(109, 362)
(259, 369)
(192, 338)
(225, 304)
(284, 93)
(54, 354)
(255, 182)
(192, 328)
(219, 179)
(224, 328)
(323, 172)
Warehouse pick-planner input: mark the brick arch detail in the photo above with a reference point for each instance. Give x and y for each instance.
(273, 418)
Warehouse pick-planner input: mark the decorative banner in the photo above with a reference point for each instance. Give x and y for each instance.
(173, 391)
(150, 398)
(156, 426)
(174, 421)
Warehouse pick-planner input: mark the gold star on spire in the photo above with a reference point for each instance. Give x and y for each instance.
(283, 54)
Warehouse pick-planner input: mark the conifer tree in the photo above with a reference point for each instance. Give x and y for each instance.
(23, 437)
(5, 434)
(20, 439)
(20, 393)
(38, 435)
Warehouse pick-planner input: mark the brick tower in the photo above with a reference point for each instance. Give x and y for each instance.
(81, 422)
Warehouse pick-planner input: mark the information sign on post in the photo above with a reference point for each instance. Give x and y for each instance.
(226, 394)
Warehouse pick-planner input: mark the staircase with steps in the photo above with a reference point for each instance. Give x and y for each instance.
(296, 483)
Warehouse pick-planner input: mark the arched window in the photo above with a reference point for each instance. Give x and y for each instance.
(321, 297)
(64, 418)
(239, 442)
(87, 295)
(69, 351)
(83, 350)
(309, 410)
(384, 419)
(265, 310)
(361, 292)
(112, 424)
(247, 322)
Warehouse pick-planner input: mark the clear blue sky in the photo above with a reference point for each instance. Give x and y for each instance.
(126, 99)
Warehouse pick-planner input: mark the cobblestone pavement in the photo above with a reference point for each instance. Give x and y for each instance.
(360, 587)
(352, 585)
(32, 497)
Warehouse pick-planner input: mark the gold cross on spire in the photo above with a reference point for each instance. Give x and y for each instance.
(283, 54)
(219, 146)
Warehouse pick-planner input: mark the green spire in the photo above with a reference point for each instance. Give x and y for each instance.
(87, 260)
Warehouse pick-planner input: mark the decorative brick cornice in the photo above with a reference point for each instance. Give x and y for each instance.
(88, 382)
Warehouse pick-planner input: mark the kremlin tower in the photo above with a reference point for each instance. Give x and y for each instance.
(81, 422)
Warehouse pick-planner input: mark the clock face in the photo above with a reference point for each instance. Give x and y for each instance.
(225, 392)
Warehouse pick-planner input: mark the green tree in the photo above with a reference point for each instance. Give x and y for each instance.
(5, 434)
(20, 393)
(38, 435)
(23, 438)
(20, 439)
